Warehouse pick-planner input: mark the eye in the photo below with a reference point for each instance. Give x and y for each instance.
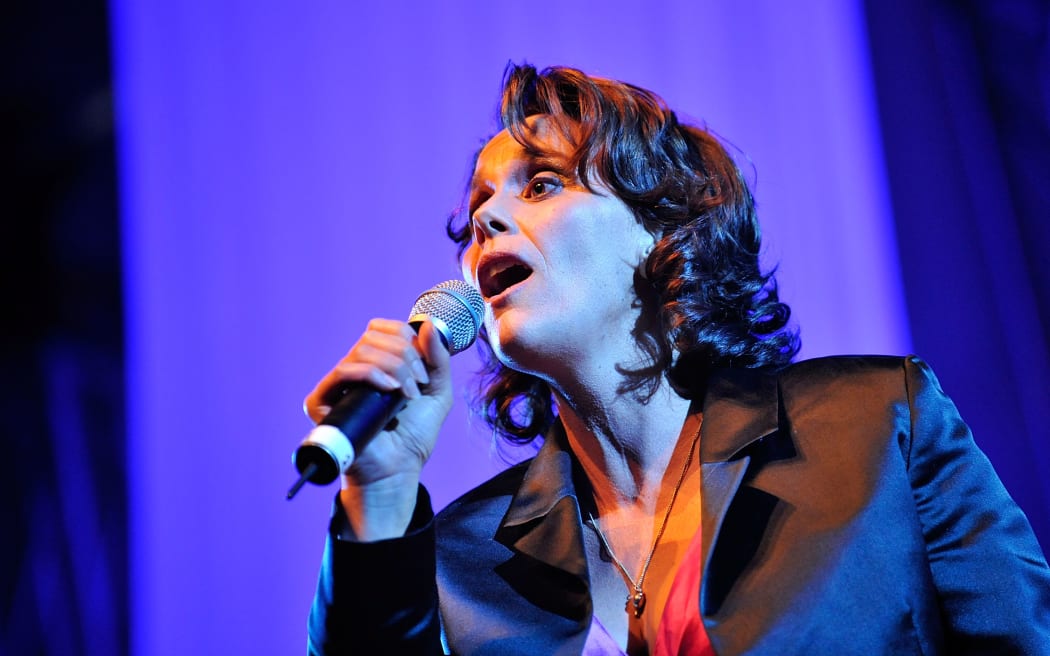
(541, 185)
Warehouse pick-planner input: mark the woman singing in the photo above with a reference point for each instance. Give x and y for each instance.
(696, 492)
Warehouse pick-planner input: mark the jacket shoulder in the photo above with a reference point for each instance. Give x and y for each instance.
(863, 373)
(838, 365)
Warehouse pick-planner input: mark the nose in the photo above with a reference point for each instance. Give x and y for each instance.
(491, 219)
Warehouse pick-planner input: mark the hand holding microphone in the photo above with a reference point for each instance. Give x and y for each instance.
(390, 393)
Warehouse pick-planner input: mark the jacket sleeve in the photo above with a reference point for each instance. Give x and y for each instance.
(377, 597)
(992, 579)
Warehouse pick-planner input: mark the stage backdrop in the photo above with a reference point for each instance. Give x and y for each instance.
(286, 170)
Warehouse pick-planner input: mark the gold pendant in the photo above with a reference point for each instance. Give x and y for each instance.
(638, 601)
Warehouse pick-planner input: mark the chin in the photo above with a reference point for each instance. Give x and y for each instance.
(505, 343)
(527, 349)
(511, 344)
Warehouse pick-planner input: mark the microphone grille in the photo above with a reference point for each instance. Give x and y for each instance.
(456, 309)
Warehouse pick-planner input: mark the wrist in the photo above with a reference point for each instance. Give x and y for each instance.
(379, 510)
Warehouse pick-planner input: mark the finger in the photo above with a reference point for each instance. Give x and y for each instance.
(319, 401)
(397, 345)
(393, 363)
(391, 327)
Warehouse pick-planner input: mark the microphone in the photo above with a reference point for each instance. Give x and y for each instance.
(455, 308)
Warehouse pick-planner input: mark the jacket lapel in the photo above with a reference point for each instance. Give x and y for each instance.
(721, 480)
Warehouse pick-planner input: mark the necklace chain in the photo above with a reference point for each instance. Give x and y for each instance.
(636, 597)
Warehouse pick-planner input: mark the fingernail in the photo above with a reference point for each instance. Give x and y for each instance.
(411, 390)
(420, 372)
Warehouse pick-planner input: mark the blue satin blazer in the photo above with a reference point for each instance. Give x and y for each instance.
(846, 510)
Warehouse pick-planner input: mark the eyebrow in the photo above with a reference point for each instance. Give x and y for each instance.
(534, 161)
(530, 162)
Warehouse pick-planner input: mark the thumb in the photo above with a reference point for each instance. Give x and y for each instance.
(435, 353)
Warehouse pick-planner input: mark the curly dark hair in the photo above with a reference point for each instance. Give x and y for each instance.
(705, 301)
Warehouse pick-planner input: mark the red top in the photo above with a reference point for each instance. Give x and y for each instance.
(681, 631)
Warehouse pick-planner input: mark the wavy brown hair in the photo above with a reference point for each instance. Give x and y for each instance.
(705, 301)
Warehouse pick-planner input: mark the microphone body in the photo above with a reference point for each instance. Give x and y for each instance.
(354, 420)
(455, 308)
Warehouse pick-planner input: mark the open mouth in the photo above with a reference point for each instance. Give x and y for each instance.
(500, 274)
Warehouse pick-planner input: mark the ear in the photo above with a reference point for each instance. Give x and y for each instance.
(646, 244)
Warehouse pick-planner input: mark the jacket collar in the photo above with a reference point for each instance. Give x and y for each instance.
(543, 520)
(741, 409)
(741, 406)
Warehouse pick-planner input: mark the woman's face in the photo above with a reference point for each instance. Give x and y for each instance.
(554, 261)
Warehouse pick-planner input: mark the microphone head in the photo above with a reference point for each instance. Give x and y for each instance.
(455, 308)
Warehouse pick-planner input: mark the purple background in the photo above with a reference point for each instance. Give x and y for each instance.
(286, 169)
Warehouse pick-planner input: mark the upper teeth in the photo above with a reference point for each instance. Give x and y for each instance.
(501, 266)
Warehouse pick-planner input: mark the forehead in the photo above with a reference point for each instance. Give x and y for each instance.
(503, 154)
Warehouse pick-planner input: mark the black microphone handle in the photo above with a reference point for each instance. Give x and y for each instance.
(357, 417)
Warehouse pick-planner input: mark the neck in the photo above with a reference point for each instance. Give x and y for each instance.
(626, 445)
(625, 441)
